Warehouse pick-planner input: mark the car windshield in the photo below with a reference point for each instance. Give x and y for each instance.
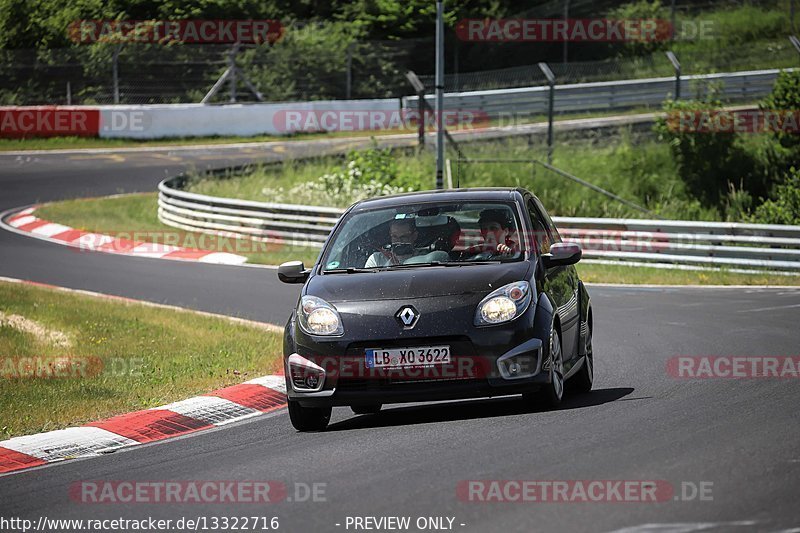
(434, 234)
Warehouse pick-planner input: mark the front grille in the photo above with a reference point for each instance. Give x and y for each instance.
(464, 367)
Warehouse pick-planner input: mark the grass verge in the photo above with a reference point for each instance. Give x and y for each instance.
(603, 273)
(135, 217)
(633, 165)
(133, 356)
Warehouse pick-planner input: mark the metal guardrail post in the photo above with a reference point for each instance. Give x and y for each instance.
(232, 70)
(439, 94)
(566, 41)
(795, 42)
(349, 80)
(677, 66)
(551, 80)
(421, 112)
(415, 82)
(115, 73)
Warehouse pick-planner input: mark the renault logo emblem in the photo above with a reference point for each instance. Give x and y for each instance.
(407, 316)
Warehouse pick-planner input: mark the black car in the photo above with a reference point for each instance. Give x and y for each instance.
(433, 296)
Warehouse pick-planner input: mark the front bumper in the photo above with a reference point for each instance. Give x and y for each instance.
(475, 371)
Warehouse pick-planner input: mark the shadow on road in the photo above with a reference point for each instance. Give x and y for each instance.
(472, 409)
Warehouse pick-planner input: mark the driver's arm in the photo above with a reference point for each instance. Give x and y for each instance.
(372, 261)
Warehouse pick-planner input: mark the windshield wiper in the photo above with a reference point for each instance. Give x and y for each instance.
(350, 270)
(439, 263)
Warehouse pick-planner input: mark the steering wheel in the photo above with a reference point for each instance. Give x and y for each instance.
(482, 256)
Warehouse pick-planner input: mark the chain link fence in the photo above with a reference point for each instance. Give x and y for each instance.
(308, 65)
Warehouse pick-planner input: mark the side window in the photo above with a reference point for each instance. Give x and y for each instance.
(548, 222)
(541, 235)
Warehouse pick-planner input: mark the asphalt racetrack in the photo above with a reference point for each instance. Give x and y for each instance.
(739, 439)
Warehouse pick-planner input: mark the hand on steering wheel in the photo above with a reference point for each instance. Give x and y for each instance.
(482, 256)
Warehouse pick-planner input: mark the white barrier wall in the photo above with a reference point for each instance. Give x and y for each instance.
(200, 120)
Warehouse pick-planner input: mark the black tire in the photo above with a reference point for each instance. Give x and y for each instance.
(550, 394)
(582, 381)
(309, 418)
(366, 409)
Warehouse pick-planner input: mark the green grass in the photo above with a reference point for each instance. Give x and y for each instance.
(135, 217)
(140, 356)
(633, 166)
(602, 273)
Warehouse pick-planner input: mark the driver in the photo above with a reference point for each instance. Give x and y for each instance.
(403, 236)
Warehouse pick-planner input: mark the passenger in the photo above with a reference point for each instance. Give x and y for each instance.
(496, 231)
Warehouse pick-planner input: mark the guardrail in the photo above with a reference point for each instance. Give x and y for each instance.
(607, 95)
(657, 242)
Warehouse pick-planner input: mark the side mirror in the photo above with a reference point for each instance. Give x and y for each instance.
(562, 254)
(293, 272)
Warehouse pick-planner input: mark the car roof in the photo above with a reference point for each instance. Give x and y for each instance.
(503, 194)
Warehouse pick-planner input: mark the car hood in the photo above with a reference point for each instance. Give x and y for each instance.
(415, 282)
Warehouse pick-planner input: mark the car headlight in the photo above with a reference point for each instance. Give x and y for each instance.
(504, 305)
(318, 317)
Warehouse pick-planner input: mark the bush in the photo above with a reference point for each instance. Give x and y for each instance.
(366, 174)
(707, 161)
(785, 96)
(784, 208)
(641, 10)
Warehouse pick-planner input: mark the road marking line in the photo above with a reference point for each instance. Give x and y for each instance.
(777, 307)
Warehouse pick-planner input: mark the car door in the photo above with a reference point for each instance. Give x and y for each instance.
(560, 282)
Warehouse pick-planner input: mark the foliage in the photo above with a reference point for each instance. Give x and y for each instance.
(785, 96)
(784, 208)
(366, 174)
(707, 159)
(642, 10)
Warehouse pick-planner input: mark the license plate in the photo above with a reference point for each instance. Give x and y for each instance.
(404, 357)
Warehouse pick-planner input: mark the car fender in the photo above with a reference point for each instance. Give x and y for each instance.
(584, 305)
(543, 318)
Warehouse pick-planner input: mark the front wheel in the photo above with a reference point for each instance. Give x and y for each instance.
(309, 418)
(550, 394)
